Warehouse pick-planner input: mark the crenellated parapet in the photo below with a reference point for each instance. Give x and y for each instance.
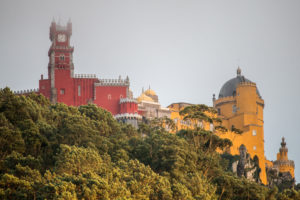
(20, 92)
(128, 116)
(246, 84)
(223, 100)
(286, 163)
(85, 76)
(127, 100)
(113, 82)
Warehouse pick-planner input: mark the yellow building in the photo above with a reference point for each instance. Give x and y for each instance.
(240, 106)
(283, 164)
(149, 106)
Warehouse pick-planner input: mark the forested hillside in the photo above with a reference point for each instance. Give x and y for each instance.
(61, 152)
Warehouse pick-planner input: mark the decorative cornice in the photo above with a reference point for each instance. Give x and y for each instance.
(289, 163)
(85, 76)
(128, 116)
(127, 100)
(113, 82)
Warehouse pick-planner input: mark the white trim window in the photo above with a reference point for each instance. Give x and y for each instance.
(79, 90)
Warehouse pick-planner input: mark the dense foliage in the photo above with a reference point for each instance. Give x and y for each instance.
(62, 152)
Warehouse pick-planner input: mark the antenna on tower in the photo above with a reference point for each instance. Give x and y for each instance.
(238, 71)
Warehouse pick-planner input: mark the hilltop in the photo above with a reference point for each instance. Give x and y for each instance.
(54, 151)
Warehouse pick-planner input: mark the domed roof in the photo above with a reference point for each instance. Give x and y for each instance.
(150, 92)
(144, 97)
(229, 88)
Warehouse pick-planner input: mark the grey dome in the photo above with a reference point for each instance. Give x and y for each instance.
(229, 88)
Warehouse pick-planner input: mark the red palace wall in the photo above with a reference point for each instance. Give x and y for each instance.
(108, 97)
(128, 107)
(44, 87)
(84, 86)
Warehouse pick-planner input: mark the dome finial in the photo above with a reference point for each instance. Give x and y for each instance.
(238, 71)
(283, 143)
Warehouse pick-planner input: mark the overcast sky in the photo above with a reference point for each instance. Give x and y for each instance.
(185, 50)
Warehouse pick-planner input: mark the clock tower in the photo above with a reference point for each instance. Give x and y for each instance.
(60, 67)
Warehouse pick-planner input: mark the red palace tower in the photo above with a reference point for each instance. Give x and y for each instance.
(64, 86)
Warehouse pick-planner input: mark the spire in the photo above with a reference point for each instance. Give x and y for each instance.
(59, 21)
(283, 143)
(238, 71)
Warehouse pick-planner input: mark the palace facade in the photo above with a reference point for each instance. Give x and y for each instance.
(239, 103)
(240, 106)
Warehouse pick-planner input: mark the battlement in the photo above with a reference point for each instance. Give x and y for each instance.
(56, 27)
(85, 76)
(288, 163)
(19, 92)
(222, 100)
(62, 47)
(127, 100)
(128, 116)
(243, 84)
(113, 82)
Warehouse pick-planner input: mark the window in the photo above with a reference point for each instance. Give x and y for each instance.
(234, 108)
(62, 91)
(219, 111)
(200, 124)
(43, 87)
(254, 132)
(254, 148)
(61, 57)
(79, 90)
(121, 96)
(109, 97)
(211, 127)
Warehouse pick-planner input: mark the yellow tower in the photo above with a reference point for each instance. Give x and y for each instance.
(283, 164)
(240, 106)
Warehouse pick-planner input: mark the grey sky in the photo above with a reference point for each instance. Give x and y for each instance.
(185, 50)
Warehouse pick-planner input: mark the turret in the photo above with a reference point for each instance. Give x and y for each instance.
(69, 27)
(283, 163)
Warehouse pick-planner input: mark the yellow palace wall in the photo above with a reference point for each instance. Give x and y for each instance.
(248, 118)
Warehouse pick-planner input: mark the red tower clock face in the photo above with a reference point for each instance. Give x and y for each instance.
(61, 37)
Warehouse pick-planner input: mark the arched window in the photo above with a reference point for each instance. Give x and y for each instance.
(109, 97)
(62, 57)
